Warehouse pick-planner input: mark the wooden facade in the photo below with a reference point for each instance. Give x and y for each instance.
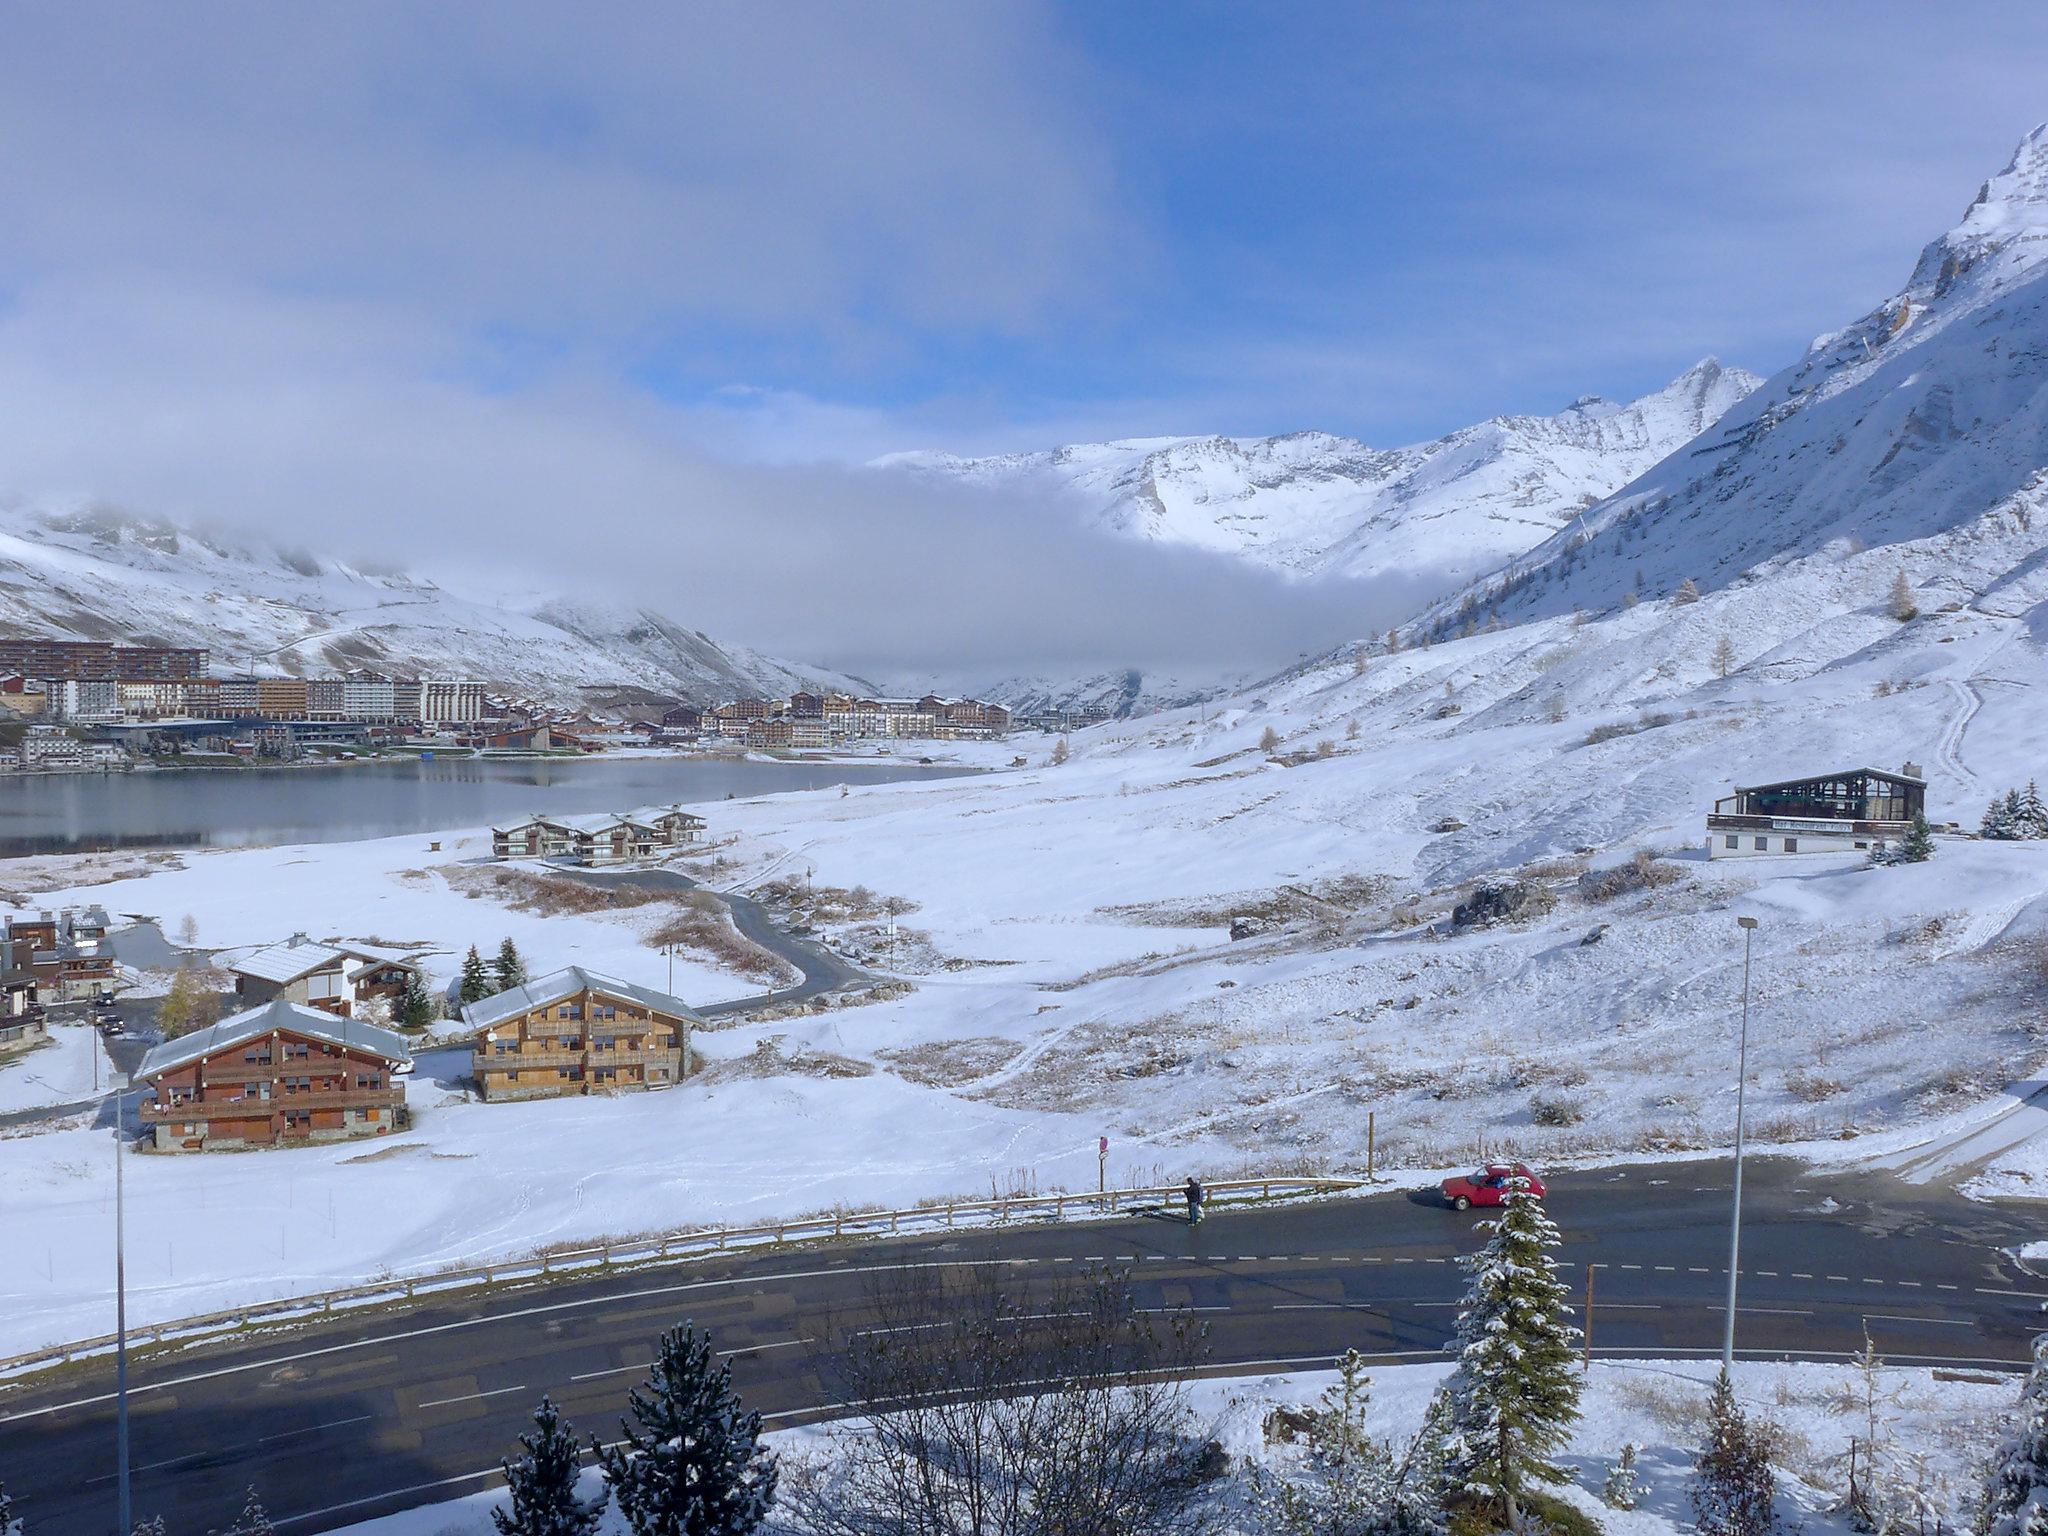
(271, 1076)
(575, 1033)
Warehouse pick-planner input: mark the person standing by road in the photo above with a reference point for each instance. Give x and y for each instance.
(1196, 1195)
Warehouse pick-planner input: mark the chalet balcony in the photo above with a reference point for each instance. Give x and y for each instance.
(230, 1109)
(1725, 822)
(519, 1061)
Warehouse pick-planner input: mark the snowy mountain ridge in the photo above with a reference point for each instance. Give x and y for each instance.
(271, 609)
(1315, 503)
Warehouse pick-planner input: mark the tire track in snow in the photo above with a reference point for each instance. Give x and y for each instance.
(1948, 751)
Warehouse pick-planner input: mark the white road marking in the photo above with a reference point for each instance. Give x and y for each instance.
(723, 1354)
(1900, 1317)
(471, 1397)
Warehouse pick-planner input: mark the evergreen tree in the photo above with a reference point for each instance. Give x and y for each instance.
(542, 1483)
(2001, 819)
(1515, 1391)
(476, 983)
(255, 1519)
(1917, 846)
(2030, 813)
(2016, 1497)
(691, 1463)
(1900, 604)
(416, 1006)
(508, 970)
(1687, 593)
(1732, 1487)
(9, 1526)
(1346, 1479)
(1060, 752)
(1624, 1487)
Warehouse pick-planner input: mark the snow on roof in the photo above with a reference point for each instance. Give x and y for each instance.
(289, 961)
(568, 982)
(278, 1014)
(651, 813)
(598, 821)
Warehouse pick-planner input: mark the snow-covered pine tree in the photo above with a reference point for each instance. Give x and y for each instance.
(2016, 1496)
(692, 1462)
(416, 1006)
(255, 1519)
(1917, 846)
(1687, 592)
(475, 984)
(2031, 813)
(542, 1483)
(1346, 1479)
(508, 970)
(1624, 1486)
(9, 1526)
(1733, 1491)
(1515, 1392)
(1999, 817)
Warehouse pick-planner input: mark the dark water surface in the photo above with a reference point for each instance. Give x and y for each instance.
(239, 807)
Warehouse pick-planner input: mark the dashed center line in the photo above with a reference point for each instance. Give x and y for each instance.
(472, 1397)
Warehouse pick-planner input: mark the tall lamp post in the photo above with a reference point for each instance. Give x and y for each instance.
(1748, 926)
(121, 1324)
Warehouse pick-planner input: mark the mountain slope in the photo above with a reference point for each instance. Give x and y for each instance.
(1311, 503)
(100, 575)
(1921, 428)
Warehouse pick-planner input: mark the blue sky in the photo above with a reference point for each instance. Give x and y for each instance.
(393, 272)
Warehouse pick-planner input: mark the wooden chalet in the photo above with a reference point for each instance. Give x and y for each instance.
(66, 954)
(674, 825)
(575, 1032)
(273, 1075)
(1829, 813)
(533, 837)
(608, 838)
(336, 978)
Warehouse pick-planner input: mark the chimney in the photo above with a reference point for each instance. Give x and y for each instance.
(1912, 771)
(298, 939)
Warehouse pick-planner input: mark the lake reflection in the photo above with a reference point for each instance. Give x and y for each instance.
(239, 807)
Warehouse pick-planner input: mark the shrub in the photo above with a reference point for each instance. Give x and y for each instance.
(1556, 1109)
(1643, 872)
(1510, 901)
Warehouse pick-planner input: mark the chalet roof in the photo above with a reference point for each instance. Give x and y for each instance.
(1836, 773)
(566, 983)
(254, 1023)
(366, 958)
(289, 961)
(528, 821)
(652, 813)
(598, 821)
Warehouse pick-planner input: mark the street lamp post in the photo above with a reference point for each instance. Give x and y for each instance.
(121, 1326)
(1748, 926)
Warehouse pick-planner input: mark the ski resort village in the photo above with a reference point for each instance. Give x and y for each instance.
(1123, 984)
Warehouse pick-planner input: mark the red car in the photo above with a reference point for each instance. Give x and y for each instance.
(1489, 1185)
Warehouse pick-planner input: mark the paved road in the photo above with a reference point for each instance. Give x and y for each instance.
(821, 969)
(380, 1412)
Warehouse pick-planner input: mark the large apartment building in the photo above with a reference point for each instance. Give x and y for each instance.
(64, 659)
(576, 1032)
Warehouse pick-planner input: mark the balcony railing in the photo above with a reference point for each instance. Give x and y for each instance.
(1721, 821)
(230, 1109)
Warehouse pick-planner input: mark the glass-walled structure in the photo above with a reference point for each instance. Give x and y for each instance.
(1862, 794)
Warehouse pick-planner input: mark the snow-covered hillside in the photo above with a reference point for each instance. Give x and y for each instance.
(107, 576)
(1921, 429)
(1311, 503)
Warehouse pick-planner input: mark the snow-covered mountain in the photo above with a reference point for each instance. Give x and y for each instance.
(1312, 503)
(111, 576)
(1921, 430)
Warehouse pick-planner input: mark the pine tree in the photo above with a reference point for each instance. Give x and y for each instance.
(1624, 1487)
(2001, 817)
(1060, 752)
(692, 1463)
(1900, 604)
(2016, 1496)
(1515, 1392)
(1347, 1477)
(476, 983)
(255, 1519)
(2030, 813)
(1725, 659)
(1917, 846)
(1687, 593)
(1732, 1487)
(9, 1526)
(508, 970)
(542, 1483)
(416, 1006)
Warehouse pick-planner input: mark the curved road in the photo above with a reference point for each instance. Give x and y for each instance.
(380, 1411)
(821, 969)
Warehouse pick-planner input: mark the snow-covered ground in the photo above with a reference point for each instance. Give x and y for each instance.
(62, 1071)
(1945, 1425)
(393, 892)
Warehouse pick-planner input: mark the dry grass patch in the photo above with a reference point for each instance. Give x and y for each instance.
(951, 1063)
